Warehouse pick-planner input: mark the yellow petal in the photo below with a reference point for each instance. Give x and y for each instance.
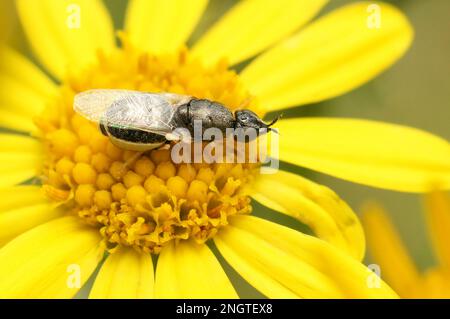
(7, 21)
(16, 97)
(20, 158)
(388, 251)
(50, 261)
(190, 270)
(438, 218)
(367, 152)
(162, 26)
(14, 121)
(20, 144)
(283, 263)
(434, 284)
(126, 273)
(25, 72)
(314, 205)
(14, 175)
(66, 33)
(22, 208)
(252, 26)
(16, 221)
(24, 91)
(20, 196)
(332, 56)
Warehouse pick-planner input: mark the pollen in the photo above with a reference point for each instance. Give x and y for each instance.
(142, 200)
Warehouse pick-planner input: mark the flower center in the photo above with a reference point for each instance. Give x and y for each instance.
(144, 200)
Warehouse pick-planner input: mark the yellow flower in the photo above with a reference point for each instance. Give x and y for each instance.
(395, 263)
(96, 197)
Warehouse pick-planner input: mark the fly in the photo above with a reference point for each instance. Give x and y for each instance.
(142, 121)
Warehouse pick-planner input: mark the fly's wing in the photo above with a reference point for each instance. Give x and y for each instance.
(93, 104)
(151, 112)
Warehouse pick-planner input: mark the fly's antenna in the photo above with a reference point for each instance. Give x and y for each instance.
(273, 122)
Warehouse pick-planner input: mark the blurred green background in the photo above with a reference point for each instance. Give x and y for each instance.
(415, 92)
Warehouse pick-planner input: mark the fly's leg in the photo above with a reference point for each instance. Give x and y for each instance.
(129, 162)
(165, 146)
(180, 136)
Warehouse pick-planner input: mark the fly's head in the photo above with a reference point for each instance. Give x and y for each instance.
(247, 119)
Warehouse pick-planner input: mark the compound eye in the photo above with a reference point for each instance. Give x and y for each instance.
(243, 118)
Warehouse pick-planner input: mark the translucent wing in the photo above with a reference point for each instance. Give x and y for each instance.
(152, 112)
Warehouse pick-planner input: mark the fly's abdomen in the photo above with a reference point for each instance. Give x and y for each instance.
(131, 139)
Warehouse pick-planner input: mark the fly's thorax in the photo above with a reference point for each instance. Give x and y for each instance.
(211, 115)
